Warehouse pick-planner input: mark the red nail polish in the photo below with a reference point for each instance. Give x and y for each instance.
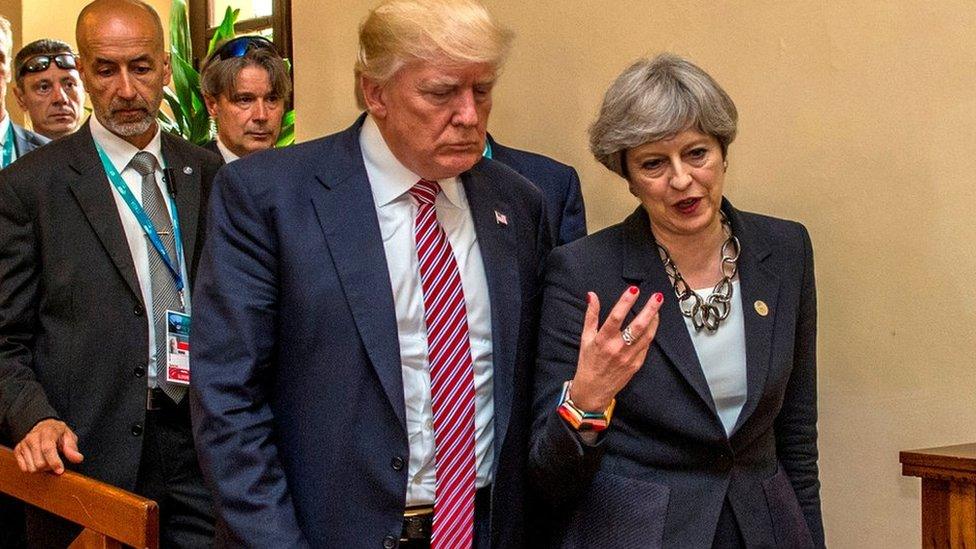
(589, 297)
(659, 297)
(632, 289)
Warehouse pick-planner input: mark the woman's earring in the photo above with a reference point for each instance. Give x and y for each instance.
(725, 165)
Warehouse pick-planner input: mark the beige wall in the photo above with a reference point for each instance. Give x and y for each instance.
(857, 118)
(56, 18)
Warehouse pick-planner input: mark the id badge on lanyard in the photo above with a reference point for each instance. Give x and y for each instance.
(177, 347)
(177, 323)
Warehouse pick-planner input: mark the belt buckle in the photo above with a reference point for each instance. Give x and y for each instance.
(153, 402)
(417, 524)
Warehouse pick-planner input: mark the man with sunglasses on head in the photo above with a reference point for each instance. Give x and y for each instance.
(245, 83)
(48, 88)
(15, 141)
(100, 234)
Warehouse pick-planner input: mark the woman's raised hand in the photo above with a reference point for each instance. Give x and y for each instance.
(611, 354)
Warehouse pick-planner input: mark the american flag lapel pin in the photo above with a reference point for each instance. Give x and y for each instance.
(501, 218)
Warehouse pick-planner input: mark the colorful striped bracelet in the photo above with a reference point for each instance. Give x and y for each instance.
(580, 420)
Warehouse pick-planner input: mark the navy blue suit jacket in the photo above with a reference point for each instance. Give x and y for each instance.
(558, 182)
(659, 475)
(297, 394)
(26, 141)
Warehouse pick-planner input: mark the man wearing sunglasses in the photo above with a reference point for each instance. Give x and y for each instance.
(245, 83)
(15, 141)
(100, 234)
(47, 87)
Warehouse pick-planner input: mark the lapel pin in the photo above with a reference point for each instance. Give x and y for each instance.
(187, 170)
(501, 218)
(761, 307)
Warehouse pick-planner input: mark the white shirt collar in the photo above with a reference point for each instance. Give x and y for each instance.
(228, 155)
(4, 128)
(120, 151)
(397, 179)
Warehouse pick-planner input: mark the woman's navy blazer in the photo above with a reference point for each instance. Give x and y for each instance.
(659, 475)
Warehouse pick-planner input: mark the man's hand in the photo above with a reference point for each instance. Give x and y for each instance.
(39, 451)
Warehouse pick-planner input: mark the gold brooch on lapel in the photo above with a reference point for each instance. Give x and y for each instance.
(188, 170)
(761, 307)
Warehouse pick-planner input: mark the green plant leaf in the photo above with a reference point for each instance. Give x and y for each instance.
(224, 31)
(201, 127)
(287, 135)
(179, 31)
(179, 116)
(288, 119)
(186, 82)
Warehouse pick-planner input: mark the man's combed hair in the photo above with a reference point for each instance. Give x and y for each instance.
(654, 99)
(44, 46)
(398, 31)
(219, 76)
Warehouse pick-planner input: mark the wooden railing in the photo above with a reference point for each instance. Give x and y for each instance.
(110, 516)
(948, 494)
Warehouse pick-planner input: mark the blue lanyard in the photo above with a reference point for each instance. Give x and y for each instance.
(487, 153)
(8, 146)
(145, 222)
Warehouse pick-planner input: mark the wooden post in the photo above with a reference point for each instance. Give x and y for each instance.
(948, 494)
(111, 516)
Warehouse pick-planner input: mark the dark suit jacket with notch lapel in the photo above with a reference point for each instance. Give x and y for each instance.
(11, 515)
(73, 328)
(212, 147)
(659, 475)
(558, 182)
(297, 398)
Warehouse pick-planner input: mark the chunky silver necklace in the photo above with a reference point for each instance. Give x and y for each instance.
(711, 311)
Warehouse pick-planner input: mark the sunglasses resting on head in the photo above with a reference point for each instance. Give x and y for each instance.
(40, 63)
(238, 47)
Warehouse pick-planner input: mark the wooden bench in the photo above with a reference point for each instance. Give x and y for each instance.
(110, 516)
(948, 494)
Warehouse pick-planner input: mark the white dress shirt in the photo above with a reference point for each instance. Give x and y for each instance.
(120, 152)
(396, 209)
(722, 355)
(225, 152)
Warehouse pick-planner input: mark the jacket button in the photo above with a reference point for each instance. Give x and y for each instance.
(139, 371)
(723, 460)
(136, 429)
(137, 310)
(397, 463)
(389, 542)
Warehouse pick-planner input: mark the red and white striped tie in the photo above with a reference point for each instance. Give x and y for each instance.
(451, 376)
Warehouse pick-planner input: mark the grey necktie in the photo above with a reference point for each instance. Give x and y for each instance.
(164, 295)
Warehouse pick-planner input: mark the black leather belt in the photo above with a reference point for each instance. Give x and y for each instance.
(417, 521)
